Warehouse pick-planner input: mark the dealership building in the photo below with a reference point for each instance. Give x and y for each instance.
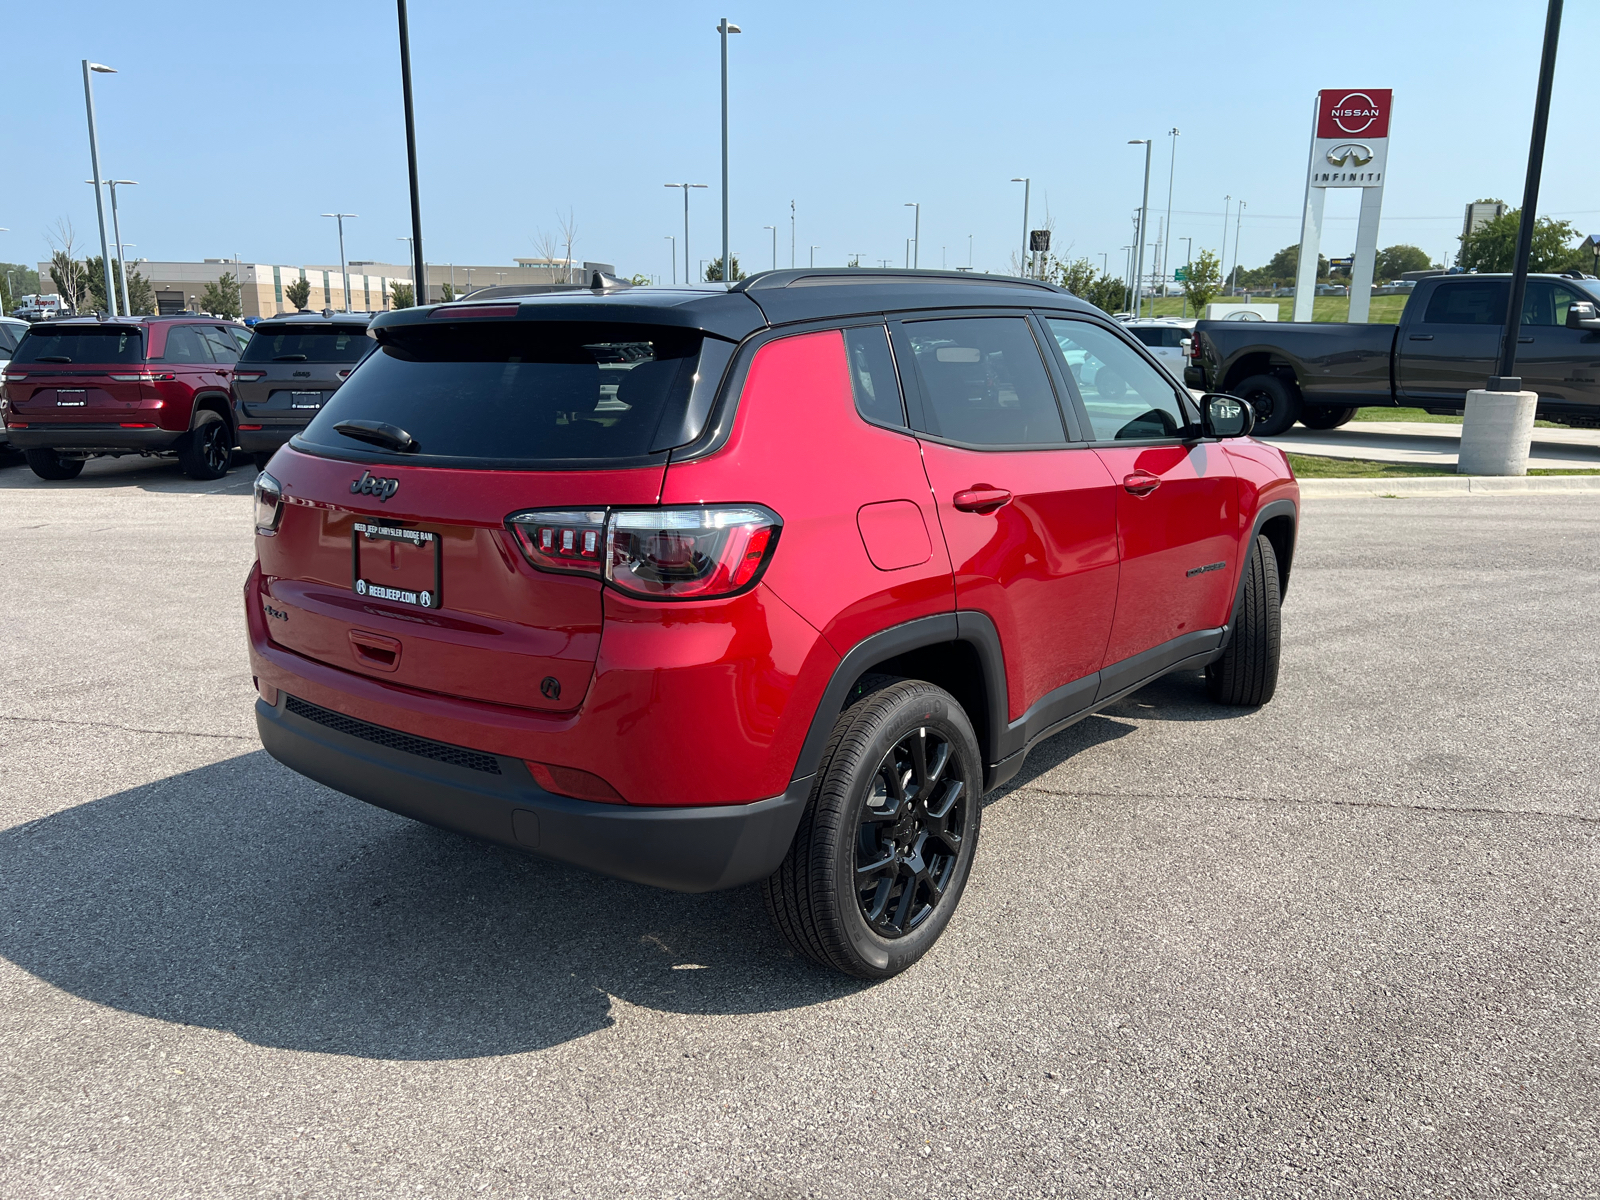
(178, 286)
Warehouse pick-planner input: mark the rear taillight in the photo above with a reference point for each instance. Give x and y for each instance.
(144, 377)
(10, 375)
(269, 504)
(562, 540)
(249, 376)
(342, 374)
(655, 553)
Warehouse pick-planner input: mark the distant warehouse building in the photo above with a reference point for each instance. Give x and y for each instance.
(179, 286)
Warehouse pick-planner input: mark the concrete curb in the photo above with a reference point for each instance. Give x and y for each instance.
(1449, 485)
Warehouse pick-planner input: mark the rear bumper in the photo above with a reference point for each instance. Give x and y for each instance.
(91, 438)
(266, 439)
(697, 849)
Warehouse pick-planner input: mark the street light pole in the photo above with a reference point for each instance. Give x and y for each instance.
(1144, 217)
(94, 162)
(1238, 219)
(344, 269)
(688, 275)
(1222, 259)
(724, 29)
(1172, 170)
(674, 242)
(916, 234)
(774, 229)
(791, 235)
(814, 250)
(116, 232)
(418, 272)
(1027, 187)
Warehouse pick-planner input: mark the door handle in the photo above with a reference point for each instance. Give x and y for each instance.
(1141, 483)
(1421, 337)
(1524, 341)
(981, 498)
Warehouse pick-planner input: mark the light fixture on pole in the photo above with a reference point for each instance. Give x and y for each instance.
(1022, 265)
(724, 29)
(344, 269)
(1144, 217)
(674, 242)
(774, 229)
(916, 234)
(116, 233)
(94, 162)
(688, 276)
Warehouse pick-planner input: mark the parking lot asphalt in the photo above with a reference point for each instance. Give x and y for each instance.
(1341, 946)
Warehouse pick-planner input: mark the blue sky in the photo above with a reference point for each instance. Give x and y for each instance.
(242, 123)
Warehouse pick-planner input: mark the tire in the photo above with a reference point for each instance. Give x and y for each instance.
(1324, 416)
(1247, 672)
(47, 464)
(261, 460)
(879, 744)
(205, 452)
(1277, 404)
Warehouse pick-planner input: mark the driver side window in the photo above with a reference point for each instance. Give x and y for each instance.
(1127, 398)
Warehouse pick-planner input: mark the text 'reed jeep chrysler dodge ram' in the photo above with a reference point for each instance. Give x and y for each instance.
(699, 587)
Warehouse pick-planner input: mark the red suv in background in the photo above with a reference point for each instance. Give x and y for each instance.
(772, 582)
(84, 387)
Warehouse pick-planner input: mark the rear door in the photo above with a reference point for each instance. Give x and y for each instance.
(1177, 503)
(402, 565)
(1454, 344)
(77, 374)
(1029, 517)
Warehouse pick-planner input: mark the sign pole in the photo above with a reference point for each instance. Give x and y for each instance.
(1366, 255)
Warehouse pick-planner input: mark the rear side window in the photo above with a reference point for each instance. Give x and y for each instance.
(9, 336)
(872, 376)
(518, 394)
(1168, 337)
(1469, 303)
(184, 345)
(80, 345)
(983, 382)
(222, 344)
(336, 343)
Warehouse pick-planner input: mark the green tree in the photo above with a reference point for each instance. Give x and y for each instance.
(221, 298)
(640, 281)
(16, 280)
(1082, 279)
(404, 294)
(68, 275)
(1204, 278)
(714, 270)
(1394, 261)
(298, 293)
(1493, 245)
(446, 293)
(1109, 294)
(1281, 267)
(141, 296)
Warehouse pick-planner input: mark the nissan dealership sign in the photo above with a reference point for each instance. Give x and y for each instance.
(1351, 144)
(1349, 149)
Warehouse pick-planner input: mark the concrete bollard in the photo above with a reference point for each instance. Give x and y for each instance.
(1496, 433)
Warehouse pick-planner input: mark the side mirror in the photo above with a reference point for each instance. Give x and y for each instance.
(1581, 314)
(1224, 416)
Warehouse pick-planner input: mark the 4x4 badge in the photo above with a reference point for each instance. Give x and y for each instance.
(370, 485)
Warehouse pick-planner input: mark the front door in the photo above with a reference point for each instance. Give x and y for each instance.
(1177, 505)
(1562, 365)
(1029, 517)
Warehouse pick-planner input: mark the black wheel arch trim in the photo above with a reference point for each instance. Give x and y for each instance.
(1271, 511)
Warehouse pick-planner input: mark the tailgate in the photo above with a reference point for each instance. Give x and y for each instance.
(427, 589)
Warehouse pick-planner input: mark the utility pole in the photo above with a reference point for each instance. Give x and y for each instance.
(1222, 259)
(344, 269)
(1172, 170)
(94, 162)
(724, 29)
(814, 250)
(791, 235)
(1238, 219)
(1144, 216)
(688, 276)
(916, 234)
(418, 270)
(1022, 263)
(774, 229)
(674, 242)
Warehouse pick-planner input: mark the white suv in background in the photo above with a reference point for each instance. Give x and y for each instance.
(1165, 337)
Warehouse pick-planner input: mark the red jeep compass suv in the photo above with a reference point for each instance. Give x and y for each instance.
(768, 582)
(84, 387)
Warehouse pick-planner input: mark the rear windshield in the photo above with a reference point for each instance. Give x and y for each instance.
(80, 344)
(509, 394)
(335, 343)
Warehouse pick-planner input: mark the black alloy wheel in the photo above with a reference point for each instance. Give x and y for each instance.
(887, 838)
(909, 838)
(47, 464)
(207, 452)
(1326, 416)
(1277, 404)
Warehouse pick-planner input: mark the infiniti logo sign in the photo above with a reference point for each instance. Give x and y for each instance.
(1350, 154)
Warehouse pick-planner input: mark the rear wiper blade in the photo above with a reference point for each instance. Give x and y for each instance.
(290, 358)
(53, 358)
(379, 433)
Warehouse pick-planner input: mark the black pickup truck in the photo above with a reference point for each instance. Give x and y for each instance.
(1446, 343)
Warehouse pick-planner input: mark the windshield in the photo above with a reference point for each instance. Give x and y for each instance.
(80, 344)
(517, 393)
(1592, 286)
(320, 343)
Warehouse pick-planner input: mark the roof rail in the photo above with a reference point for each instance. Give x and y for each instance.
(805, 275)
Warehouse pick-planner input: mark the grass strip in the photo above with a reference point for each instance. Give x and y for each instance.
(1313, 466)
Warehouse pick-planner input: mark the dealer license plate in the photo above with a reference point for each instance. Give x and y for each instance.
(405, 566)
